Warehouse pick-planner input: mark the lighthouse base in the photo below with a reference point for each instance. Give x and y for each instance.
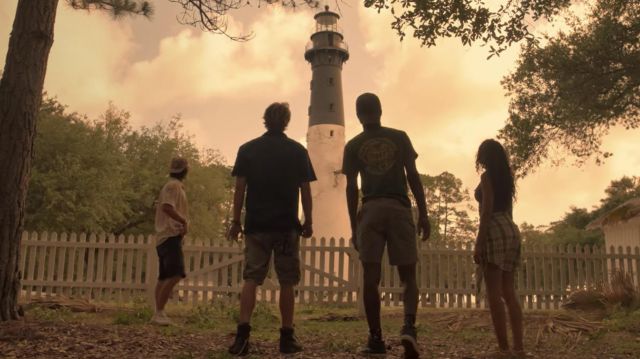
(330, 216)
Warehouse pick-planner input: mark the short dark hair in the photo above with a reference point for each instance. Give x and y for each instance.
(276, 116)
(368, 104)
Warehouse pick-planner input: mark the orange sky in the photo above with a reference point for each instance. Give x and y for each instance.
(447, 98)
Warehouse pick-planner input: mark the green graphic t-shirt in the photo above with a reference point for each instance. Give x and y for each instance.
(379, 156)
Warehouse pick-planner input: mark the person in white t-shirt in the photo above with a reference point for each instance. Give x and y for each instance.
(171, 225)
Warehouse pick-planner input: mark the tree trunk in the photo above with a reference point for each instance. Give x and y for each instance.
(20, 97)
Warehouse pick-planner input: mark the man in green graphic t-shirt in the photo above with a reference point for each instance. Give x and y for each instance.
(385, 160)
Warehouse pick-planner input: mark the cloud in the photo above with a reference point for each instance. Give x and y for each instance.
(92, 65)
(194, 66)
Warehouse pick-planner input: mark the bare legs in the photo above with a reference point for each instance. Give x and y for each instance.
(407, 275)
(287, 299)
(163, 291)
(247, 300)
(514, 308)
(501, 290)
(248, 303)
(372, 272)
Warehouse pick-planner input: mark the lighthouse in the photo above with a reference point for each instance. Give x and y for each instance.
(327, 52)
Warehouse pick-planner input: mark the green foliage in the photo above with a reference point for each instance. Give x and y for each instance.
(571, 229)
(568, 93)
(618, 192)
(468, 20)
(448, 202)
(104, 176)
(116, 7)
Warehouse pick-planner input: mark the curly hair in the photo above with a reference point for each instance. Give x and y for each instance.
(276, 116)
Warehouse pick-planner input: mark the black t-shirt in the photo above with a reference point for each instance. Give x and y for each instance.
(275, 167)
(380, 156)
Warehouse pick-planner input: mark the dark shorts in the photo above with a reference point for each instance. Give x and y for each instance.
(386, 222)
(286, 250)
(171, 258)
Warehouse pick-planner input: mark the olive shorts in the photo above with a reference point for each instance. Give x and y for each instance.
(257, 256)
(386, 221)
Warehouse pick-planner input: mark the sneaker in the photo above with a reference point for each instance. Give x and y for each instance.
(161, 318)
(375, 347)
(408, 339)
(288, 342)
(240, 346)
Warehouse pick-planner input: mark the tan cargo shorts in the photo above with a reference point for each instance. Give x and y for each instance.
(386, 221)
(285, 247)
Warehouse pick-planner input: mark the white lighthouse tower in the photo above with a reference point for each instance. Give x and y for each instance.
(326, 52)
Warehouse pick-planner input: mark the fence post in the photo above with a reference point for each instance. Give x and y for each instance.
(151, 273)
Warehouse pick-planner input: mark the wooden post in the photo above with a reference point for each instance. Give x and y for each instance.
(151, 273)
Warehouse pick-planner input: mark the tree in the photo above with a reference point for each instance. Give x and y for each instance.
(448, 203)
(104, 176)
(21, 95)
(571, 229)
(469, 20)
(78, 177)
(618, 192)
(567, 94)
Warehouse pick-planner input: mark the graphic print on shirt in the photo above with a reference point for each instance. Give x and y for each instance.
(378, 155)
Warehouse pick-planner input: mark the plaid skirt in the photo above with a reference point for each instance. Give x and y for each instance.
(504, 242)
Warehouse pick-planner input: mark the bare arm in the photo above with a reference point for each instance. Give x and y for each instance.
(486, 209)
(307, 209)
(170, 211)
(353, 196)
(238, 203)
(413, 177)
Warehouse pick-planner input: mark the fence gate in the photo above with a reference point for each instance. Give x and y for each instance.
(214, 272)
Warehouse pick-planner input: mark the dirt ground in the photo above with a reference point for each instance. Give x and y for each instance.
(325, 333)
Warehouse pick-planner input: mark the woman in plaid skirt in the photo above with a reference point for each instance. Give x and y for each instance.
(497, 247)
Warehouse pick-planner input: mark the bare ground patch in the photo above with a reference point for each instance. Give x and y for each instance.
(326, 332)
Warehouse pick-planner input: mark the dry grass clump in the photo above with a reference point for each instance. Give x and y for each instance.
(587, 299)
(621, 291)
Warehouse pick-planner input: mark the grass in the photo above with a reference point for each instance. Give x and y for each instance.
(140, 313)
(336, 331)
(50, 315)
(624, 320)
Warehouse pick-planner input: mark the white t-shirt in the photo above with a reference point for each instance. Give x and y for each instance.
(172, 194)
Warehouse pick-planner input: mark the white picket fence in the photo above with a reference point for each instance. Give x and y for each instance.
(121, 268)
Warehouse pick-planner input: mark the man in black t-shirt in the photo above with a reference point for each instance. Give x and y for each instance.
(385, 160)
(273, 171)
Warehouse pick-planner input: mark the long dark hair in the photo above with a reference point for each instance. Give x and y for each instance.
(493, 158)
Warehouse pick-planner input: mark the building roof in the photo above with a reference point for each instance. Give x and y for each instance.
(624, 212)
